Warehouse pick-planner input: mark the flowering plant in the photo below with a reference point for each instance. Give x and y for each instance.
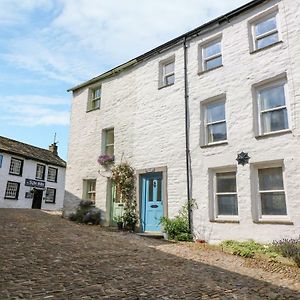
(105, 160)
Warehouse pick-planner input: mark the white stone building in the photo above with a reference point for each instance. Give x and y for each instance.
(181, 113)
(30, 177)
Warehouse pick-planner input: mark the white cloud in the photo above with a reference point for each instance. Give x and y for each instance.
(33, 110)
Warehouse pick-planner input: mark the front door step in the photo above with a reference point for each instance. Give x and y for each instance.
(153, 235)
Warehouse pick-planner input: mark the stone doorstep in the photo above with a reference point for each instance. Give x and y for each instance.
(153, 235)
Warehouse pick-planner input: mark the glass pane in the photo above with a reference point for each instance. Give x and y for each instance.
(268, 40)
(216, 132)
(227, 205)
(109, 137)
(213, 63)
(110, 150)
(274, 120)
(215, 112)
(265, 26)
(169, 79)
(272, 97)
(96, 104)
(273, 204)
(150, 192)
(226, 182)
(159, 190)
(97, 93)
(169, 68)
(212, 50)
(270, 179)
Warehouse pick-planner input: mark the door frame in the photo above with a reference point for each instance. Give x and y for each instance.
(139, 173)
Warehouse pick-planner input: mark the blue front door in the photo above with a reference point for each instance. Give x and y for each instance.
(152, 201)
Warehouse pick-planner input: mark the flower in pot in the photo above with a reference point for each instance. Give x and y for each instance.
(130, 218)
(119, 221)
(106, 160)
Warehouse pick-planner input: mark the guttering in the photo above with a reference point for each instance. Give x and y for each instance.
(171, 43)
(187, 136)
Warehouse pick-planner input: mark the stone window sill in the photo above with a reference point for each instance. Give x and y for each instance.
(214, 144)
(164, 86)
(90, 110)
(230, 221)
(265, 48)
(207, 71)
(274, 222)
(275, 133)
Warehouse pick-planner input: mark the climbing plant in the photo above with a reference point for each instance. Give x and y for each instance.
(124, 179)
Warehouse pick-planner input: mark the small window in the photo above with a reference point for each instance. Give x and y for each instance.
(271, 191)
(167, 72)
(40, 172)
(94, 99)
(109, 142)
(89, 189)
(272, 108)
(16, 167)
(215, 122)
(1, 159)
(211, 56)
(50, 195)
(52, 174)
(265, 32)
(12, 190)
(226, 194)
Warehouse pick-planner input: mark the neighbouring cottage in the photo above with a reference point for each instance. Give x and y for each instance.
(30, 177)
(212, 115)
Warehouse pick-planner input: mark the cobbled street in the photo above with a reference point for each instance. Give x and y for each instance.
(43, 256)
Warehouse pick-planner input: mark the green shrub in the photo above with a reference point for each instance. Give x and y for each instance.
(247, 249)
(86, 213)
(289, 248)
(178, 227)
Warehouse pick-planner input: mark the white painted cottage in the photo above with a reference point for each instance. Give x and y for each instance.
(30, 177)
(212, 115)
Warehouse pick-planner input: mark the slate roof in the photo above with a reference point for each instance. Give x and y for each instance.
(30, 152)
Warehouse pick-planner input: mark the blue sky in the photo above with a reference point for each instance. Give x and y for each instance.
(48, 46)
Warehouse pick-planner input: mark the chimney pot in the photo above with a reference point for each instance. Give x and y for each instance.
(53, 148)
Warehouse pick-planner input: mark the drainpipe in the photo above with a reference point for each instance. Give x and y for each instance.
(187, 139)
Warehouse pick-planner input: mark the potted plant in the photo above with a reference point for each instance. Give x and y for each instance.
(130, 218)
(119, 221)
(106, 160)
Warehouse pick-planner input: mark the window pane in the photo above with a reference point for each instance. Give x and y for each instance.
(216, 132)
(169, 68)
(226, 182)
(213, 63)
(96, 104)
(270, 179)
(272, 97)
(273, 204)
(159, 190)
(212, 50)
(215, 112)
(169, 79)
(109, 137)
(150, 191)
(110, 150)
(274, 120)
(97, 93)
(227, 205)
(268, 40)
(265, 26)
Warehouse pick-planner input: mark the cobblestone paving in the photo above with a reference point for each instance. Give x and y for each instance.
(46, 257)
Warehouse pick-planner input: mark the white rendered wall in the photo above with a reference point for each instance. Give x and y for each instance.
(29, 171)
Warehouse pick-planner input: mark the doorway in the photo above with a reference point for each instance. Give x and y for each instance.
(37, 199)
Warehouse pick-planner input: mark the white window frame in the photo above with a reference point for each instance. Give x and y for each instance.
(56, 174)
(257, 194)
(273, 12)
(20, 168)
(92, 99)
(50, 199)
(213, 194)
(38, 172)
(269, 84)
(204, 59)
(17, 184)
(204, 124)
(162, 75)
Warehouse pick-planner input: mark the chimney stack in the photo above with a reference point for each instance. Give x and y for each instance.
(53, 149)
